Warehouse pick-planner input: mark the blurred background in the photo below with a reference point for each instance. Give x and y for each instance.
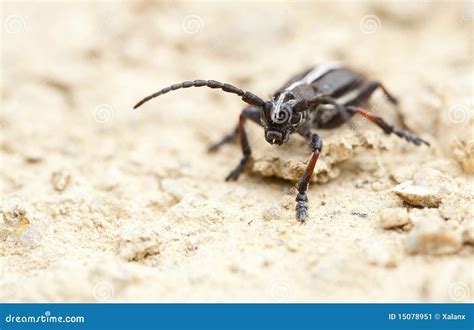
(128, 205)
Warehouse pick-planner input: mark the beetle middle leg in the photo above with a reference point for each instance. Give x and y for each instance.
(251, 113)
(248, 113)
(387, 128)
(316, 145)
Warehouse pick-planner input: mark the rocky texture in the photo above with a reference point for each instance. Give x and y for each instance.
(464, 153)
(427, 189)
(394, 217)
(336, 150)
(60, 179)
(146, 214)
(431, 234)
(385, 254)
(138, 242)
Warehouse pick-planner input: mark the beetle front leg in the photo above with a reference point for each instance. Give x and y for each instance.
(225, 139)
(252, 114)
(302, 199)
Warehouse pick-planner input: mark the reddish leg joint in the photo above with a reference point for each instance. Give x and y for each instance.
(302, 198)
(389, 129)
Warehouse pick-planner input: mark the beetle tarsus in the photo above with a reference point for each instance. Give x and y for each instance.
(301, 207)
(235, 173)
(316, 144)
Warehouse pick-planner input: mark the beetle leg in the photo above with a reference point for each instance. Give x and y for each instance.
(370, 87)
(251, 113)
(254, 115)
(302, 199)
(367, 89)
(389, 129)
(225, 139)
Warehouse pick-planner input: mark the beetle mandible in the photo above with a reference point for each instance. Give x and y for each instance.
(325, 96)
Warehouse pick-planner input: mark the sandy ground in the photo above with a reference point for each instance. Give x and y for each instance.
(102, 203)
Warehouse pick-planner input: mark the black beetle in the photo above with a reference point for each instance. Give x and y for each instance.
(325, 96)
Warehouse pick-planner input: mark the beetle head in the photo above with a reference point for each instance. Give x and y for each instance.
(277, 119)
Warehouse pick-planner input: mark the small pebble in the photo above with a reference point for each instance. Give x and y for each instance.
(60, 179)
(394, 217)
(379, 172)
(426, 189)
(380, 185)
(138, 242)
(14, 214)
(403, 173)
(272, 212)
(32, 156)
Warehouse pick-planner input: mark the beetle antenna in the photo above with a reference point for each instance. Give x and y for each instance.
(247, 97)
